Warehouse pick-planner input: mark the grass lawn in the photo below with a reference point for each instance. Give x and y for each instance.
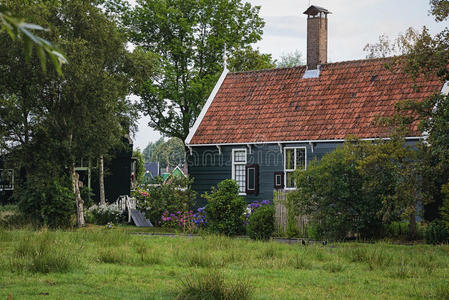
(96, 263)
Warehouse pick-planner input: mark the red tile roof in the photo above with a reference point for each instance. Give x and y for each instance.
(279, 105)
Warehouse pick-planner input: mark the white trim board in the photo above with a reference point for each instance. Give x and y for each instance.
(445, 89)
(298, 142)
(206, 106)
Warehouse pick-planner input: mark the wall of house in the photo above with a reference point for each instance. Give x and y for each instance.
(208, 167)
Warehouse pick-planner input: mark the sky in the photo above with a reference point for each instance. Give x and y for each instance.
(352, 24)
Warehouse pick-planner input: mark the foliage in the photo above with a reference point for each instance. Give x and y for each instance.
(169, 153)
(439, 9)
(19, 28)
(386, 47)
(187, 221)
(249, 59)
(225, 208)
(173, 196)
(437, 233)
(358, 187)
(149, 149)
(51, 123)
(261, 223)
(48, 202)
(444, 210)
(292, 59)
(105, 214)
(189, 38)
(140, 165)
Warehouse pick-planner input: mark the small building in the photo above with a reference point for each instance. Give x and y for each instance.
(259, 127)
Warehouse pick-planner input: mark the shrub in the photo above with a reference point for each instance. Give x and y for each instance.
(225, 208)
(213, 286)
(104, 214)
(261, 223)
(173, 196)
(48, 203)
(436, 232)
(185, 220)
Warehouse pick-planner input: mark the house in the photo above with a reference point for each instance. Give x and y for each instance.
(175, 173)
(259, 127)
(152, 169)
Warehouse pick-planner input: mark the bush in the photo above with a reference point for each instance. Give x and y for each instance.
(225, 209)
(104, 214)
(436, 232)
(49, 203)
(261, 223)
(172, 197)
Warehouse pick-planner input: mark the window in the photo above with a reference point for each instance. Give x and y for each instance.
(279, 180)
(294, 158)
(239, 168)
(6, 180)
(252, 179)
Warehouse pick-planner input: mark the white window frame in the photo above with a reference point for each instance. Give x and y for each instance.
(2, 188)
(294, 162)
(234, 163)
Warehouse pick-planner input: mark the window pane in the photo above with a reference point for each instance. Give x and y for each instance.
(239, 171)
(289, 159)
(239, 156)
(251, 179)
(278, 180)
(290, 182)
(300, 158)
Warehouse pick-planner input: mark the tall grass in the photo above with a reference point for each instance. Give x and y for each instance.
(44, 253)
(212, 285)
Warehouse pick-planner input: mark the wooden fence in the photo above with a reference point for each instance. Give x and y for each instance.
(281, 216)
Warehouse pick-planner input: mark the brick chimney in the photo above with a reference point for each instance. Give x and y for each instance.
(316, 36)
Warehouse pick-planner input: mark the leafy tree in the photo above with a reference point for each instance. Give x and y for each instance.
(18, 28)
(249, 59)
(171, 153)
(292, 59)
(386, 47)
(149, 149)
(80, 116)
(331, 192)
(189, 36)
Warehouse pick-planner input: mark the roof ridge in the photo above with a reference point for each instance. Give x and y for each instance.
(303, 66)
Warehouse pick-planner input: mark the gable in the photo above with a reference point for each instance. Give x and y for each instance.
(280, 105)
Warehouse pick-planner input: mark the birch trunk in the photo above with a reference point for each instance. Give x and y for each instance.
(78, 200)
(101, 182)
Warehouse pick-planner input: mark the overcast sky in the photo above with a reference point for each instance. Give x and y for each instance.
(352, 24)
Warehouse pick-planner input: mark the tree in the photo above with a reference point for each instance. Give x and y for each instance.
(292, 59)
(80, 116)
(18, 28)
(149, 149)
(249, 59)
(386, 47)
(171, 153)
(140, 165)
(189, 37)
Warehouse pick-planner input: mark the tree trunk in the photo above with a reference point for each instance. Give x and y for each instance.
(101, 181)
(78, 200)
(412, 226)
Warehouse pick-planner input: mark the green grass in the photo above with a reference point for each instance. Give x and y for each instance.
(96, 263)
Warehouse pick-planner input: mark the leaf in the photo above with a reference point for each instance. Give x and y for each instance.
(42, 59)
(28, 48)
